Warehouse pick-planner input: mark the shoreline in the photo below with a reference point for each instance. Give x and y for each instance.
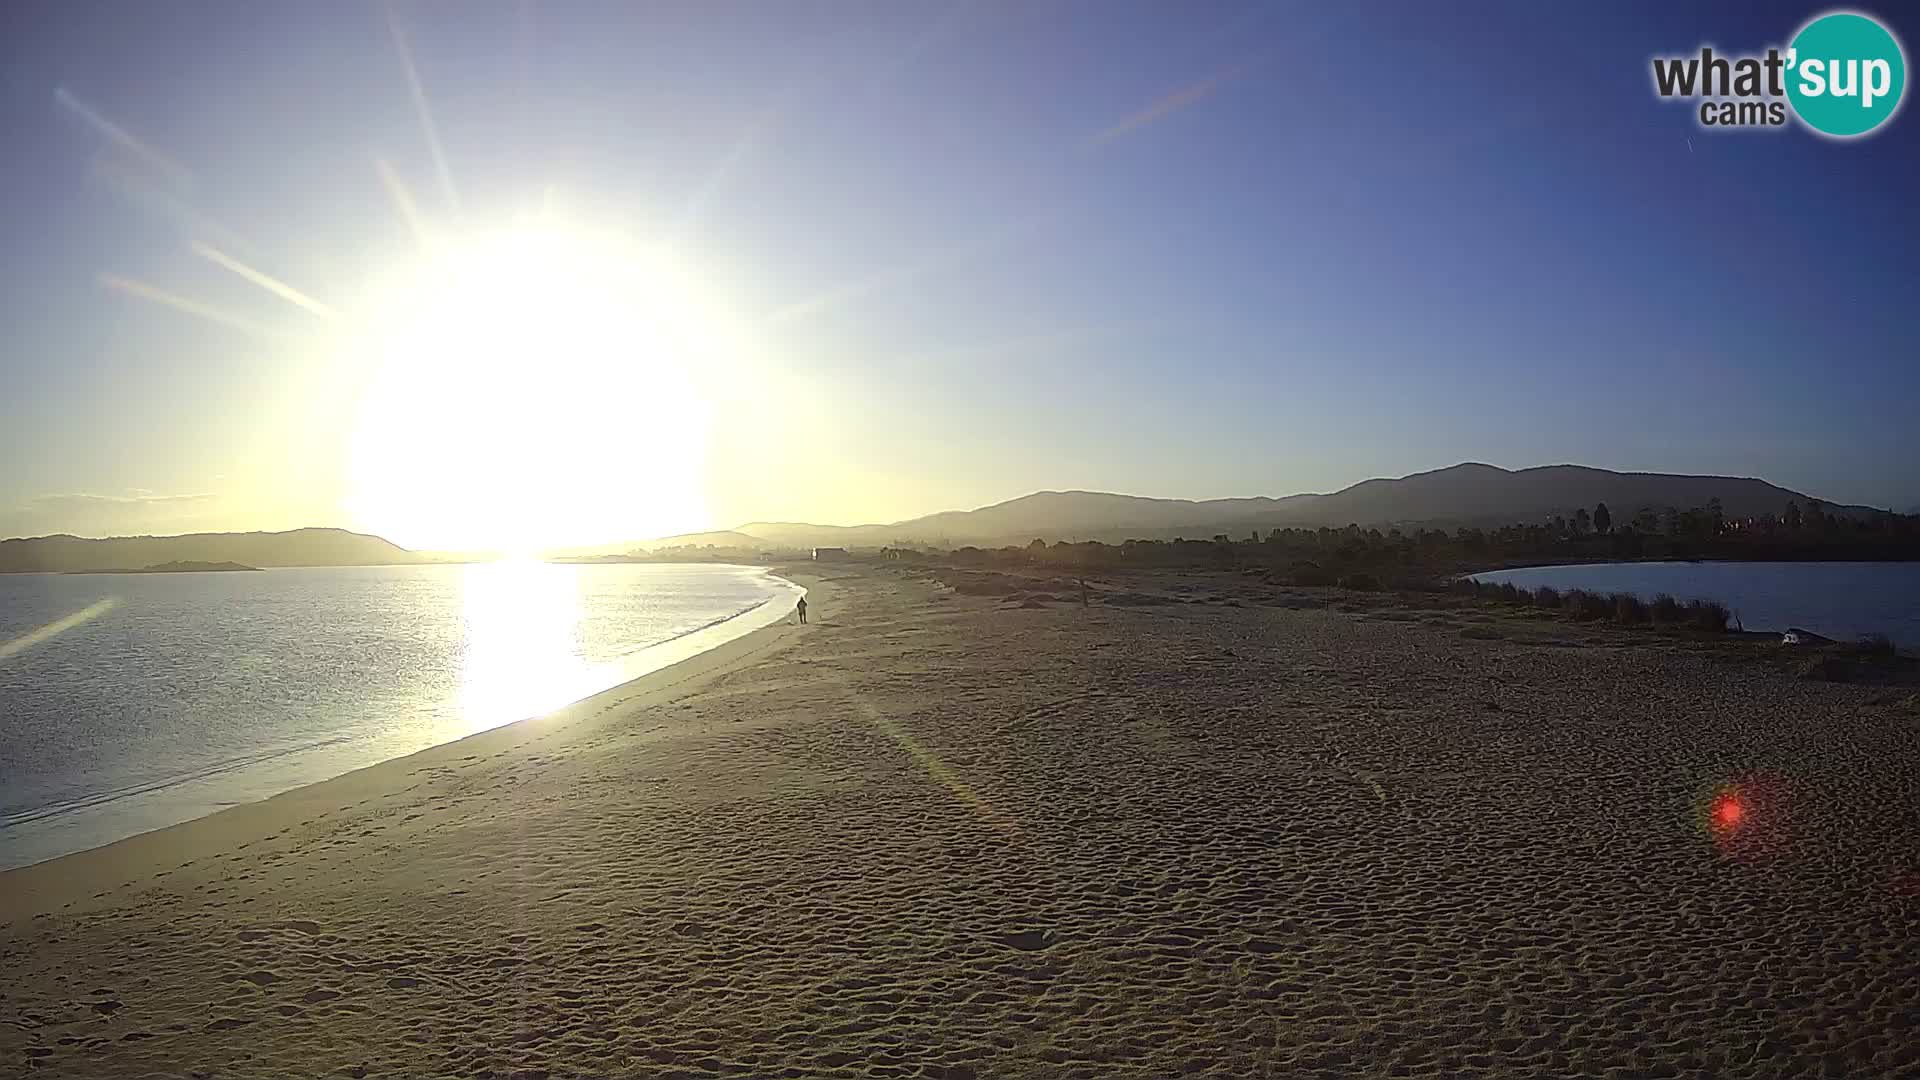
(1755, 600)
(96, 873)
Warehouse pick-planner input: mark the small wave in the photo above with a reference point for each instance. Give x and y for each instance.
(708, 625)
(101, 798)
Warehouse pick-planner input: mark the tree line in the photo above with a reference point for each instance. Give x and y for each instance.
(1420, 554)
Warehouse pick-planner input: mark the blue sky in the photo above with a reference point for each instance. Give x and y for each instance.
(1195, 249)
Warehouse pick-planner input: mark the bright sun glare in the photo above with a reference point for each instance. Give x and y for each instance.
(536, 386)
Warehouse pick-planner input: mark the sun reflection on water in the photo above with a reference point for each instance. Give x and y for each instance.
(522, 653)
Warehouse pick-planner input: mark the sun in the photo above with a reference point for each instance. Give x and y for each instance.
(531, 387)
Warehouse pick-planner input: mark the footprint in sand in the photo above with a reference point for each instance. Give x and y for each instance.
(226, 1023)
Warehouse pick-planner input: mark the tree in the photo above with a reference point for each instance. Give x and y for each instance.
(1792, 517)
(1602, 519)
(1580, 522)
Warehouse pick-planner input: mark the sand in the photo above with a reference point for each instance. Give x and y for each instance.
(1219, 830)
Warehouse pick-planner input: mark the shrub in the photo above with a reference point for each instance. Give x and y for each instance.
(1309, 575)
(1666, 609)
(1546, 596)
(1588, 606)
(1360, 582)
(1627, 608)
(1827, 667)
(1875, 647)
(1708, 615)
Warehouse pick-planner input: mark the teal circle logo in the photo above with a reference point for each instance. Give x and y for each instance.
(1845, 74)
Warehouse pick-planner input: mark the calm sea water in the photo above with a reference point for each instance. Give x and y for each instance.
(129, 702)
(1843, 600)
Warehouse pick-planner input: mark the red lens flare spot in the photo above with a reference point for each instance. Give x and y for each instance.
(1750, 817)
(1728, 812)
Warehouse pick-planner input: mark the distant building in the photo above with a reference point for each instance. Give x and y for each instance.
(830, 555)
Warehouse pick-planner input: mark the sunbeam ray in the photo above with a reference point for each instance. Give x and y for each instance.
(57, 627)
(687, 223)
(1165, 106)
(937, 770)
(402, 200)
(126, 140)
(422, 110)
(272, 284)
(1042, 339)
(139, 189)
(180, 303)
(847, 292)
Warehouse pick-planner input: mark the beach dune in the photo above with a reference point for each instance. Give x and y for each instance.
(946, 835)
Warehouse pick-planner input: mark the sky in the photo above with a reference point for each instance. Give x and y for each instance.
(466, 274)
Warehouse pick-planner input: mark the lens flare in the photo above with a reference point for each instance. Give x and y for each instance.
(1750, 816)
(57, 627)
(1728, 811)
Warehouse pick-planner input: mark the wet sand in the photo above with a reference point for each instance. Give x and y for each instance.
(1200, 827)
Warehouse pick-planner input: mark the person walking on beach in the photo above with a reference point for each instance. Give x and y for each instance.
(801, 607)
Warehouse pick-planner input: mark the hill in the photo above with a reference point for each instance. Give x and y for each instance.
(722, 538)
(180, 568)
(1473, 493)
(1465, 494)
(298, 547)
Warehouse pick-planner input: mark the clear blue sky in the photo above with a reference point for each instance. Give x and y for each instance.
(1181, 249)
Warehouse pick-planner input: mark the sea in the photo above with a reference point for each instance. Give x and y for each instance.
(1841, 600)
(129, 702)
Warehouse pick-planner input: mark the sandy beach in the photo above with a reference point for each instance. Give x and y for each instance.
(1202, 826)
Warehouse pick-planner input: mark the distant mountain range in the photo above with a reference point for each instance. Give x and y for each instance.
(1467, 494)
(300, 547)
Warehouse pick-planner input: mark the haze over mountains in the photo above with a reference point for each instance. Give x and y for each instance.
(1467, 494)
(298, 547)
